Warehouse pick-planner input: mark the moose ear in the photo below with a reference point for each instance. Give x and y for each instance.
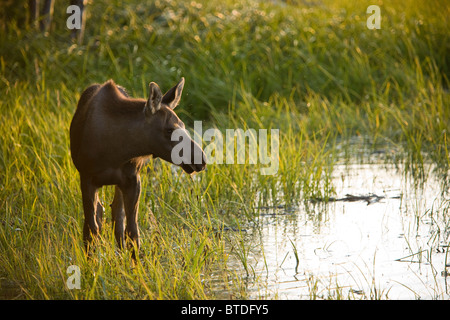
(173, 96)
(153, 103)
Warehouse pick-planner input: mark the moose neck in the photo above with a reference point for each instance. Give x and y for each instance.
(135, 135)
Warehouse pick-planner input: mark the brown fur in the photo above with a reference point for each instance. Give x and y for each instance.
(111, 136)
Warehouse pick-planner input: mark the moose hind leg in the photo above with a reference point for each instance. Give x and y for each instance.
(118, 217)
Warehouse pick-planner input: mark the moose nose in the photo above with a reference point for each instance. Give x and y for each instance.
(201, 166)
(197, 165)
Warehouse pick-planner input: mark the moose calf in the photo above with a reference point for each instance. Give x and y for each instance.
(111, 136)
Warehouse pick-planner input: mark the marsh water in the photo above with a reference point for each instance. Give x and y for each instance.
(385, 236)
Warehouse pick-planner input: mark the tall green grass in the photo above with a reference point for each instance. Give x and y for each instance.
(310, 69)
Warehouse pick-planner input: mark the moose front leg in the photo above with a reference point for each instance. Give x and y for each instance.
(90, 206)
(131, 193)
(99, 213)
(118, 216)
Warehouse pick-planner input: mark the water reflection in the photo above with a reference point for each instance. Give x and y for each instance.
(395, 247)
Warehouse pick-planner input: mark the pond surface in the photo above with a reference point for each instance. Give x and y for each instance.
(390, 244)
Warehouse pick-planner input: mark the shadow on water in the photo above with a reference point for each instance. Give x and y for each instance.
(383, 236)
